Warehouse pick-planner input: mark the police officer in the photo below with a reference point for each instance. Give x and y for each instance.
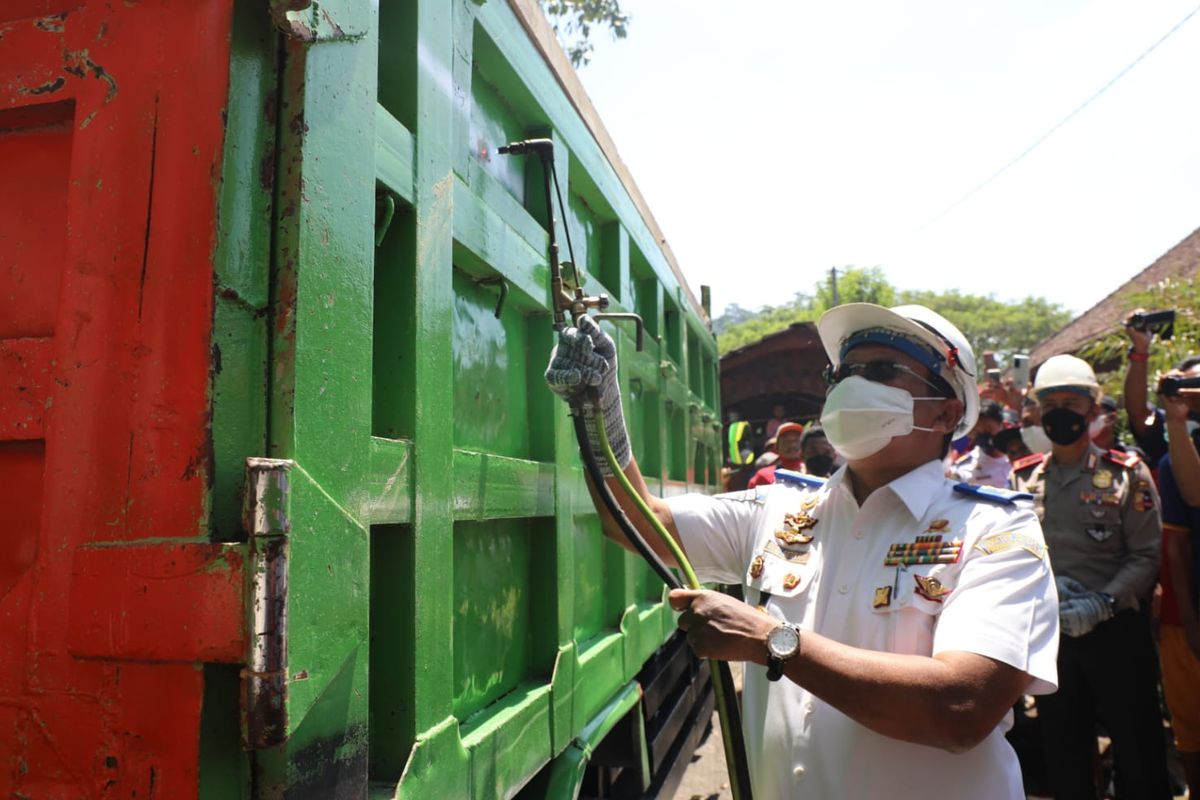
(896, 617)
(1099, 512)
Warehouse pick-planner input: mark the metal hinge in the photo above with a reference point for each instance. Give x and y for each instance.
(266, 517)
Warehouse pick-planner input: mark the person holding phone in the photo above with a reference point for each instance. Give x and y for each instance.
(1179, 611)
(1147, 422)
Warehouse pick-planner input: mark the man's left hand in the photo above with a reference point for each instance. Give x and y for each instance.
(722, 627)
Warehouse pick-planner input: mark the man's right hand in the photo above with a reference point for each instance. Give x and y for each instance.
(584, 358)
(1140, 339)
(583, 371)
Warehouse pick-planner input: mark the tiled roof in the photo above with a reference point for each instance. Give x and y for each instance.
(1181, 261)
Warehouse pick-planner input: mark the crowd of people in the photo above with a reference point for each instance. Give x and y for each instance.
(939, 568)
(1117, 490)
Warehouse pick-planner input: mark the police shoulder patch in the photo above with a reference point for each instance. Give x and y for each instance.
(1126, 460)
(798, 479)
(1010, 540)
(992, 494)
(1028, 461)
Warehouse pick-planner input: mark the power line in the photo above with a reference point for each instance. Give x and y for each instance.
(1060, 123)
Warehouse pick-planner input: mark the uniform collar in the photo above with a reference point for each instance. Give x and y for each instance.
(916, 488)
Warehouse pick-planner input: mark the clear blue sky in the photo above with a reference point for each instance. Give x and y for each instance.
(773, 140)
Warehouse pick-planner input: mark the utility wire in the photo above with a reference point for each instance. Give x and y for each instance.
(1061, 122)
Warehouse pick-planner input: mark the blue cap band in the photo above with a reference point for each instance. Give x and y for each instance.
(923, 353)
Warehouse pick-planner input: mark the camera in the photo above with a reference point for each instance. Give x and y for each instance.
(993, 376)
(1171, 385)
(1160, 322)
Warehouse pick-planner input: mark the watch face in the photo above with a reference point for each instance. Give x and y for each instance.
(783, 641)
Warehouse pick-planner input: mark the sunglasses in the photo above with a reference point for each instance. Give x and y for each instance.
(883, 372)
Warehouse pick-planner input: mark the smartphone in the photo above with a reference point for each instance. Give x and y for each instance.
(1020, 369)
(993, 376)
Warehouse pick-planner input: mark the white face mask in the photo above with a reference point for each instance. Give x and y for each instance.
(1036, 439)
(861, 417)
(1096, 426)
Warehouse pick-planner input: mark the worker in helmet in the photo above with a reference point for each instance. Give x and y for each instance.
(1100, 515)
(894, 617)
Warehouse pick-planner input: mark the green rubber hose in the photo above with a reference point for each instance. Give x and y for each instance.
(735, 756)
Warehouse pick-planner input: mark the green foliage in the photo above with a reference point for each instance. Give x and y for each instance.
(573, 21)
(1107, 353)
(988, 323)
(767, 321)
(856, 285)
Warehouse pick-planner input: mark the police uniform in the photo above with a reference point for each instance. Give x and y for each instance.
(921, 568)
(977, 467)
(1102, 526)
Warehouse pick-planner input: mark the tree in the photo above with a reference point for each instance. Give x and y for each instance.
(856, 285)
(996, 325)
(573, 21)
(734, 315)
(1003, 327)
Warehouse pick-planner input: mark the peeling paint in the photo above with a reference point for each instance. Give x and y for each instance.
(79, 64)
(47, 88)
(52, 23)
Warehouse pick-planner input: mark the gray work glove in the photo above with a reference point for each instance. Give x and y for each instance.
(585, 359)
(1068, 587)
(1081, 613)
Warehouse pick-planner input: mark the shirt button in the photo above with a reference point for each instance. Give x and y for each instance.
(843, 588)
(798, 771)
(858, 534)
(808, 707)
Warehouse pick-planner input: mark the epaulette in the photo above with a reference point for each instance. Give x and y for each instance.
(1028, 461)
(1126, 460)
(798, 479)
(1004, 497)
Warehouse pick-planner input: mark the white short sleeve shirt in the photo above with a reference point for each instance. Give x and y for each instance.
(919, 569)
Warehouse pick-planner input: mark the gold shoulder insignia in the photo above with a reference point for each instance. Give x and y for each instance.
(1010, 540)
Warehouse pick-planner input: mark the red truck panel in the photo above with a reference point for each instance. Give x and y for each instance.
(110, 150)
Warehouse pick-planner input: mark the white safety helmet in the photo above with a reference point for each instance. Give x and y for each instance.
(915, 331)
(1064, 373)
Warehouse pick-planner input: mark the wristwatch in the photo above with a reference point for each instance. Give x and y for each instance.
(782, 644)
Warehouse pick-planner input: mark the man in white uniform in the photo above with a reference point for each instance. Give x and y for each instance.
(896, 617)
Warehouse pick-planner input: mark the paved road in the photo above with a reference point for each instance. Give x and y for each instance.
(707, 777)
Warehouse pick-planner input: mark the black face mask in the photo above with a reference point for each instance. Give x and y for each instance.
(819, 465)
(1064, 426)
